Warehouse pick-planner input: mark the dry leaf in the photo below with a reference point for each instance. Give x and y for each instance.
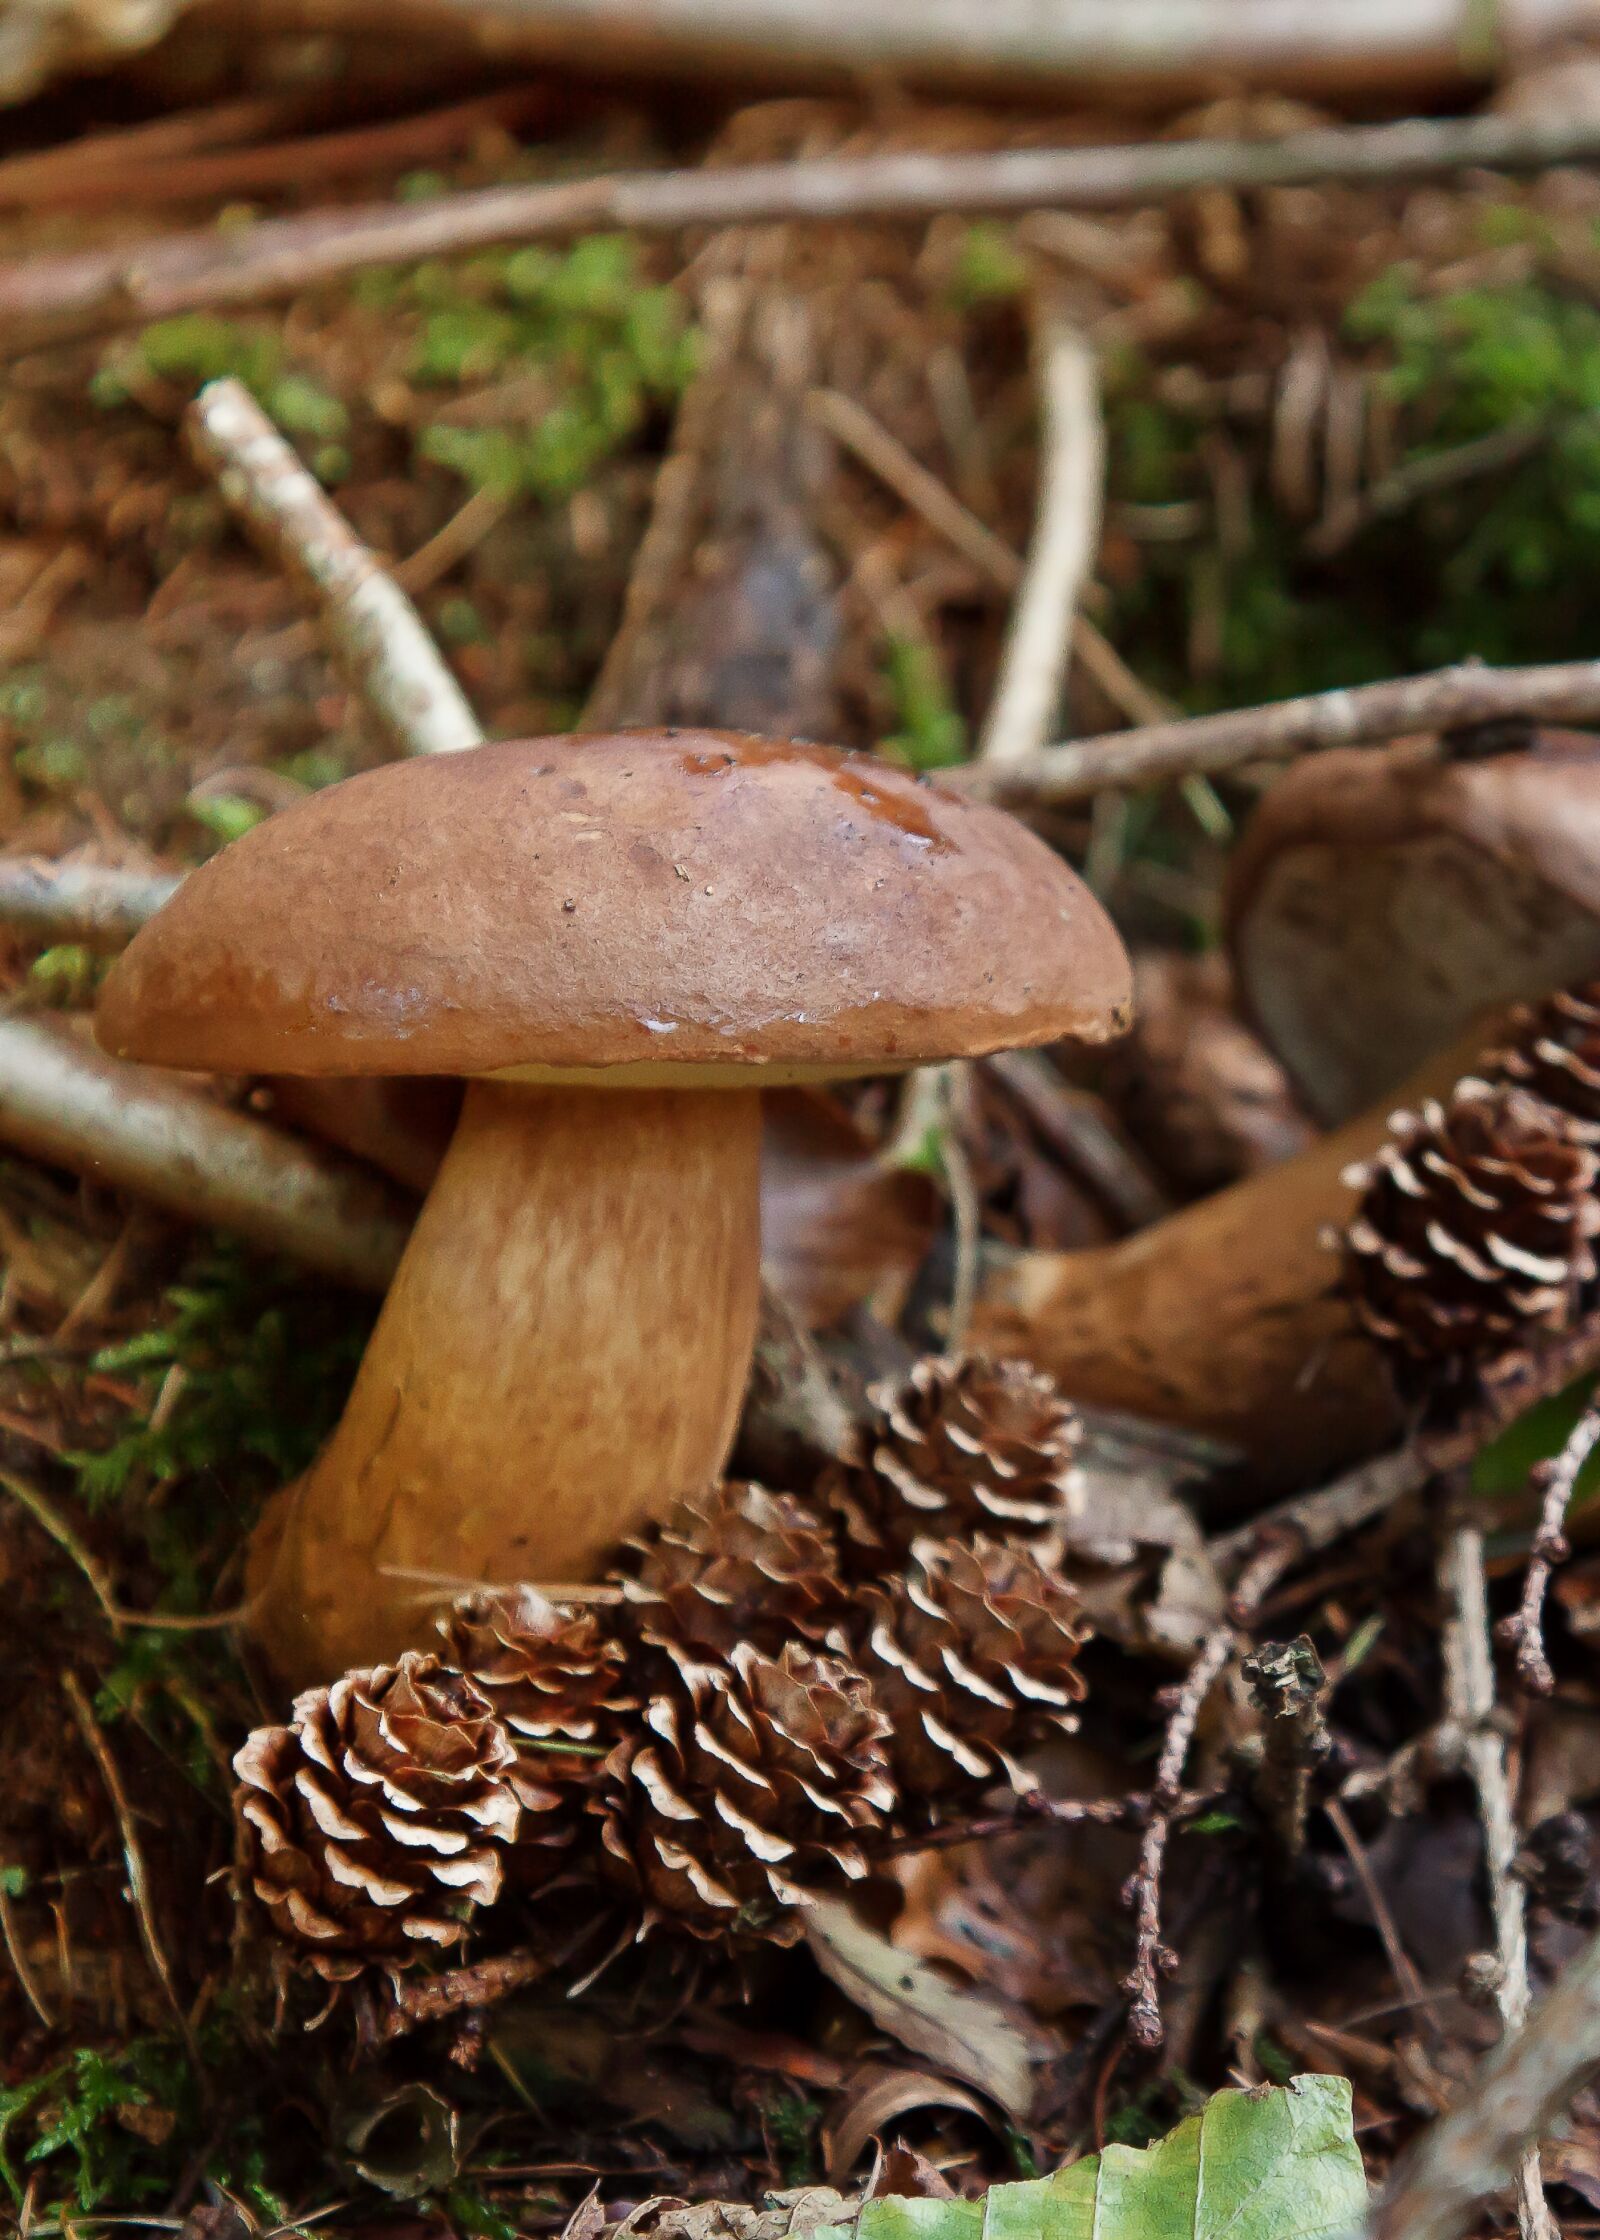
(875, 2097)
(836, 1224)
(964, 2033)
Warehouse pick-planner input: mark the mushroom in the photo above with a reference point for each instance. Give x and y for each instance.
(1227, 1317)
(618, 941)
(1382, 898)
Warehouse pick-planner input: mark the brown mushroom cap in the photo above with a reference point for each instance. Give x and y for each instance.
(669, 903)
(1381, 899)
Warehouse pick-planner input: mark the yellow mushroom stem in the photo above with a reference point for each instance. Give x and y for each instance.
(560, 1358)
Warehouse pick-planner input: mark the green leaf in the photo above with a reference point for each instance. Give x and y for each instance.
(1272, 2164)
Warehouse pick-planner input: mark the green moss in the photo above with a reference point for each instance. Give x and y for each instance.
(198, 347)
(988, 268)
(1496, 561)
(599, 351)
(101, 2127)
(928, 732)
(266, 1359)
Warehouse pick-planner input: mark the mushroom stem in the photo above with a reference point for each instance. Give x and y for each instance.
(1227, 1317)
(560, 1358)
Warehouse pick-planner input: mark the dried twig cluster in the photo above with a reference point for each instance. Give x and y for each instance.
(773, 1692)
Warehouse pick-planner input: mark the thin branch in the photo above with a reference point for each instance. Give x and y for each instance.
(1443, 700)
(153, 1134)
(139, 1886)
(11, 1937)
(91, 903)
(1516, 2097)
(1153, 1959)
(1313, 1521)
(1316, 1520)
(1078, 1126)
(1033, 661)
(1469, 1703)
(372, 627)
(48, 1517)
(48, 298)
(1030, 1809)
(1524, 1632)
(899, 470)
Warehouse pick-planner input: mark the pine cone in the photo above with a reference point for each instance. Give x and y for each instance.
(558, 1680)
(1555, 1053)
(373, 1824)
(964, 1445)
(1474, 1231)
(973, 1656)
(747, 1792)
(738, 1564)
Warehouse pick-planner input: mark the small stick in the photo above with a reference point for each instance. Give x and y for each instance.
(1401, 1965)
(48, 298)
(899, 470)
(1153, 1959)
(1033, 661)
(1517, 2095)
(1031, 1808)
(1442, 700)
(1469, 1704)
(372, 627)
(1314, 1521)
(1524, 1631)
(413, 2001)
(1287, 1685)
(1078, 1127)
(1142, 1891)
(20, 1967)
(133, 1854)
(49, 1518)
(149, 1132)
(91, 903)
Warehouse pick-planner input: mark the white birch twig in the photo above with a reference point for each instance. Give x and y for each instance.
(373, 630)
(1469, 1705)
(150, 1133)
(1033, 663)
(91, 903)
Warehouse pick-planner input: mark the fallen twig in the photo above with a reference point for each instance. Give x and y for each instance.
(27, 1981)
(899, 470)
(1032, 1809)
(1033, 662)
(373, 628)
(1443, 700)
(1313, 1521)
(1077, 1126)
(1524, 1631)
(150, 1133)
(1517, 2094)
(139, 1887)
(410, 2002)
(91, 903)
(145, 178)
(48, 1517)
(1469, 1704)
(47, 298)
